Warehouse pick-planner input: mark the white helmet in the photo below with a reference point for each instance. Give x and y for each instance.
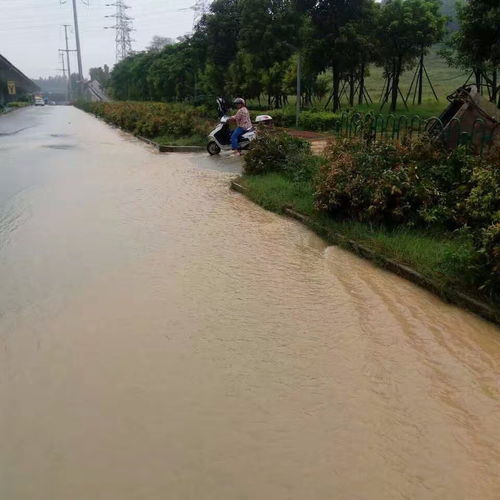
(239, 100)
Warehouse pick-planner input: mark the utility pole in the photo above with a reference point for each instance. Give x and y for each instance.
(78, 48)
(63, 69)
(66, 26)
(123, 27)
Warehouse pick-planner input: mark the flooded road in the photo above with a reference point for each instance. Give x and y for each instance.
(163, 338)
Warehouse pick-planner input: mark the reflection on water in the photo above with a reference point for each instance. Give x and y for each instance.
(162, 337)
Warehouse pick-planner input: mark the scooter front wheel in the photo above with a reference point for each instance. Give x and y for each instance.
(213, 148)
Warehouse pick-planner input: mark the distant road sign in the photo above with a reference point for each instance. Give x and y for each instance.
(12, 87)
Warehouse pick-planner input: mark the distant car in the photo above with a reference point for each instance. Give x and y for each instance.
(39, 101)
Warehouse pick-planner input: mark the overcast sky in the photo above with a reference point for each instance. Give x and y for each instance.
(31, 32)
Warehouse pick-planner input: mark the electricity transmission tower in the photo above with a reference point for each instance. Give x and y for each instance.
(200, 8)
(123, 28)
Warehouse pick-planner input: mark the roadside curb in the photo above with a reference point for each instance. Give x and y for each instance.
(9, 111)
(179, 149)
(162, 148)
(445, 292)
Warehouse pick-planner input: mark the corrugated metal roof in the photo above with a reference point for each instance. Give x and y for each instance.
(9, 72)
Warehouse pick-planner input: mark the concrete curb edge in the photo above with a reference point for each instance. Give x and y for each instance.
(162, 148)
(445, 292)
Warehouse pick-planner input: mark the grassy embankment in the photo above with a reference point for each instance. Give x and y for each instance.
(444, 79)
(436, 214)
(425, 252)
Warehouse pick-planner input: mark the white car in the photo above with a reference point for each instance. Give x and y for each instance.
(39, 101)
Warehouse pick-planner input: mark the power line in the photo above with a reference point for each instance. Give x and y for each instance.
(123, 28)
(200, 8)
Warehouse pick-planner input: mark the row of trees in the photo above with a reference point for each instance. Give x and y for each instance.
(252, 48)
(476, 46)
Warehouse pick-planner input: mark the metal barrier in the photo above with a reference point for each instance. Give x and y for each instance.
(377, 126)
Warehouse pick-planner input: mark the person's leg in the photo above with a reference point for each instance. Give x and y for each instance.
(235, 137)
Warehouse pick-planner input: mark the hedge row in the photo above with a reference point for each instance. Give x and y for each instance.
(152, 119)
(18, 104)
(308, 120)
(420, 185)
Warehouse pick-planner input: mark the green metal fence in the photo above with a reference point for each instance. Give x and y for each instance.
(401, 128)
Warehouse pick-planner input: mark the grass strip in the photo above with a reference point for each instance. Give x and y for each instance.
(425, 252)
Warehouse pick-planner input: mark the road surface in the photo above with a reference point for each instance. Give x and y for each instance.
(163, 338)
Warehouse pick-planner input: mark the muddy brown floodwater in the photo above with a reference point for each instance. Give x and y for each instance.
(164, 338)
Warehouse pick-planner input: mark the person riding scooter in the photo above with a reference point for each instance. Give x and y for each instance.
(243, 123)
(221, 137)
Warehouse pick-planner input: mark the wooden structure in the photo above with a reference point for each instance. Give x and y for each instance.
(14, 84)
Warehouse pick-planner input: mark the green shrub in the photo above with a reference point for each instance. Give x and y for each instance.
(375, 183)
(412, 184)
(308, 120)
(18, 104)
(152, 119)
(258, 107)
(483, 201)
(490, 252)
(419, 185)
(281, 117)
(463, 262)
(318, 121)
(275, 151)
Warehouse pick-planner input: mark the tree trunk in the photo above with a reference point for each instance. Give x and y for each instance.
(336, 85)
(352, 88)
(421, 75)
(396, 71)
(388, 87)
(361, 83)
(494, 86)
(477, 75)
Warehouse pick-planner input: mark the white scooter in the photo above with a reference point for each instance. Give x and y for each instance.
(220, 137)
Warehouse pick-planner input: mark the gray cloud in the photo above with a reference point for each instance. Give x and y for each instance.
(31, 32)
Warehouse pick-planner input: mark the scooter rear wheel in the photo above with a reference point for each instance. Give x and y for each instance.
(213, 148)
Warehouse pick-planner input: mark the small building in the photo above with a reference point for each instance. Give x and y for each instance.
(14, 84)
(95, 92)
